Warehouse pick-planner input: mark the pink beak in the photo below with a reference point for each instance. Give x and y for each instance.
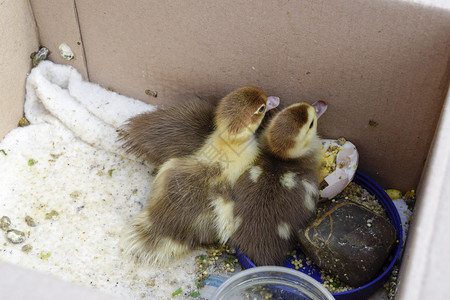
(320, 107)
(272, 102)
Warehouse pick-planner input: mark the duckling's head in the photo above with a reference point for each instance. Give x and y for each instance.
(293, 132)
(240, 113)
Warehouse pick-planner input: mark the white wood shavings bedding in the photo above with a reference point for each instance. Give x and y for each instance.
(48, 166)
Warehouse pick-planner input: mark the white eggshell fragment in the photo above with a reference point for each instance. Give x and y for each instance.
(66, 52)
(405, 215)
(15, 236)
(346, 165)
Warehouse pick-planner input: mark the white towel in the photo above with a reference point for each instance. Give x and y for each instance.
(57, 94)
(69, 161)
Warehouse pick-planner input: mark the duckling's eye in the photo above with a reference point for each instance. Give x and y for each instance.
(261, 109)
(311, 125)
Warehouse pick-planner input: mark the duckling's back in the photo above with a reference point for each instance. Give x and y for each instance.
(171, 132)
(274, 198)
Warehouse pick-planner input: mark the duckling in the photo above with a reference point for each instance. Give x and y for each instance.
(179, 215)
(279, 193)
(171, 132)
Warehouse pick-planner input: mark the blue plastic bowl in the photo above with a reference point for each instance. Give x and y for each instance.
(370, 288)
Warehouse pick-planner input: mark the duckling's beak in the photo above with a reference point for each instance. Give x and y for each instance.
(320, 107)
(272, 102)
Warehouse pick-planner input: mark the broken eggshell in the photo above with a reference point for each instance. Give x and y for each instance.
(66, 52)
(346, 163)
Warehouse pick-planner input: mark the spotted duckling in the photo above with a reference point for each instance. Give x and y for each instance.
(179, 215)
(169, 132)
(278, 194)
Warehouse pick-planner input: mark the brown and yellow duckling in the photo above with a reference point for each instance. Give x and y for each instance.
(279, 193)
(179, 215)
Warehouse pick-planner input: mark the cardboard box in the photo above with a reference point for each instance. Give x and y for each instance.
(383, 67)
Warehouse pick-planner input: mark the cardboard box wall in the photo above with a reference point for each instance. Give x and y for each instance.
(383, 67)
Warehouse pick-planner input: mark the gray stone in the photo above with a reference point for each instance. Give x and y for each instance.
(349, 241)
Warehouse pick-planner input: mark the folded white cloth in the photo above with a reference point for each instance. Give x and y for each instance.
(69, 161)
(57, 94)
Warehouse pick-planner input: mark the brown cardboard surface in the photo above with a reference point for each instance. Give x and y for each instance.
(18, 39)
(57, 22)
(381, 61)
(425, 264)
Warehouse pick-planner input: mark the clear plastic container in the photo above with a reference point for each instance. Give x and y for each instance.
(271, 282)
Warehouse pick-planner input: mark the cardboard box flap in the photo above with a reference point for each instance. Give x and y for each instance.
(18, 39)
